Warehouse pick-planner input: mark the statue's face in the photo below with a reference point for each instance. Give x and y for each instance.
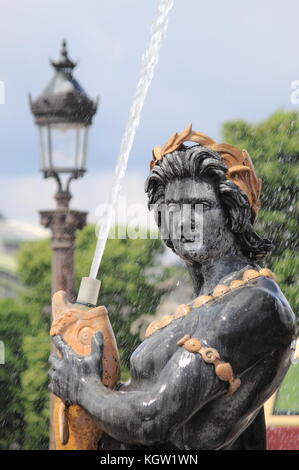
(196, 220)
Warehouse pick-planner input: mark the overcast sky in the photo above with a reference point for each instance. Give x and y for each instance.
(221, 60)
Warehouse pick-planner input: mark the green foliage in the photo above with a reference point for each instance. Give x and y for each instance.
(13, 325)
(35, 393)
(23, 378)
(287, 268)
(274, 148)
(34, 261)
(288, 399)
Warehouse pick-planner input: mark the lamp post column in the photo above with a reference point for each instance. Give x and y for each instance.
(63, 224)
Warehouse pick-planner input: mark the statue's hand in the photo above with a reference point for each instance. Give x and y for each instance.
(70, 374)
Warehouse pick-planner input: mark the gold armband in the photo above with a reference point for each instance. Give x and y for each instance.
(223, 370)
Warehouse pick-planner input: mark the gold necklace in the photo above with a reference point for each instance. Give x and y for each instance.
(220, 290)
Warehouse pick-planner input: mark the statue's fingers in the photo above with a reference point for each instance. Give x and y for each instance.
(54, 361)
(97, 344)
(52, 387)
(61, 345)
(97, 347)
(51, 374)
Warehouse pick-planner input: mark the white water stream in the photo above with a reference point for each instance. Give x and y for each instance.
(148, 63)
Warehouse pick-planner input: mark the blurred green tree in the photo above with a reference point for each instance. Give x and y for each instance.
(274, 148)
(13, 326)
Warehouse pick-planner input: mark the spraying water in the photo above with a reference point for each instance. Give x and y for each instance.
(148, 63)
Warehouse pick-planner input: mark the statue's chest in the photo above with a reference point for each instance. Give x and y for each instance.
(149, 359)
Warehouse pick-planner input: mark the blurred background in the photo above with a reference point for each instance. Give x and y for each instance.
(230, 69)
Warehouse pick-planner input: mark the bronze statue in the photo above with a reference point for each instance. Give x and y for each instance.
(200, 378)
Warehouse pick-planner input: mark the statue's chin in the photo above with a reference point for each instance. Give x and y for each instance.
(192, 252)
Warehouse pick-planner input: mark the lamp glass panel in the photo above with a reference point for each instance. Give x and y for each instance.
(81, 133)
(43, 147)
(63, 146)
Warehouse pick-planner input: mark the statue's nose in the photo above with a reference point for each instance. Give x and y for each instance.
(191, 222)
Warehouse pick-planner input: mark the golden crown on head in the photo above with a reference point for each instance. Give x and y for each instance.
(240, 167)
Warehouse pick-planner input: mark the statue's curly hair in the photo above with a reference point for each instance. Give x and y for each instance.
(199, 161)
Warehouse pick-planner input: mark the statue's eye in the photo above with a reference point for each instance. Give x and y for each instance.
(173, 207)
(206, 205)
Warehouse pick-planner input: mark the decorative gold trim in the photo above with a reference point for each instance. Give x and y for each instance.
(220, 290)
(201, 300)
(182, 310)
(250, 274)
(223, 370)
(183, 340)
(266, 272)
(236, 283)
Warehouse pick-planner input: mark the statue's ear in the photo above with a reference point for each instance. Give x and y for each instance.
(59, 304)
(160, 215)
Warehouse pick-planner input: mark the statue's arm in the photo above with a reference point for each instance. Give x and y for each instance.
(142, 417)
(145, 417)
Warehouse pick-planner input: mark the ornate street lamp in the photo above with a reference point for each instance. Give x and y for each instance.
(63, 114)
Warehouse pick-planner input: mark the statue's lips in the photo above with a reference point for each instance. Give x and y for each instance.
(188, 240)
